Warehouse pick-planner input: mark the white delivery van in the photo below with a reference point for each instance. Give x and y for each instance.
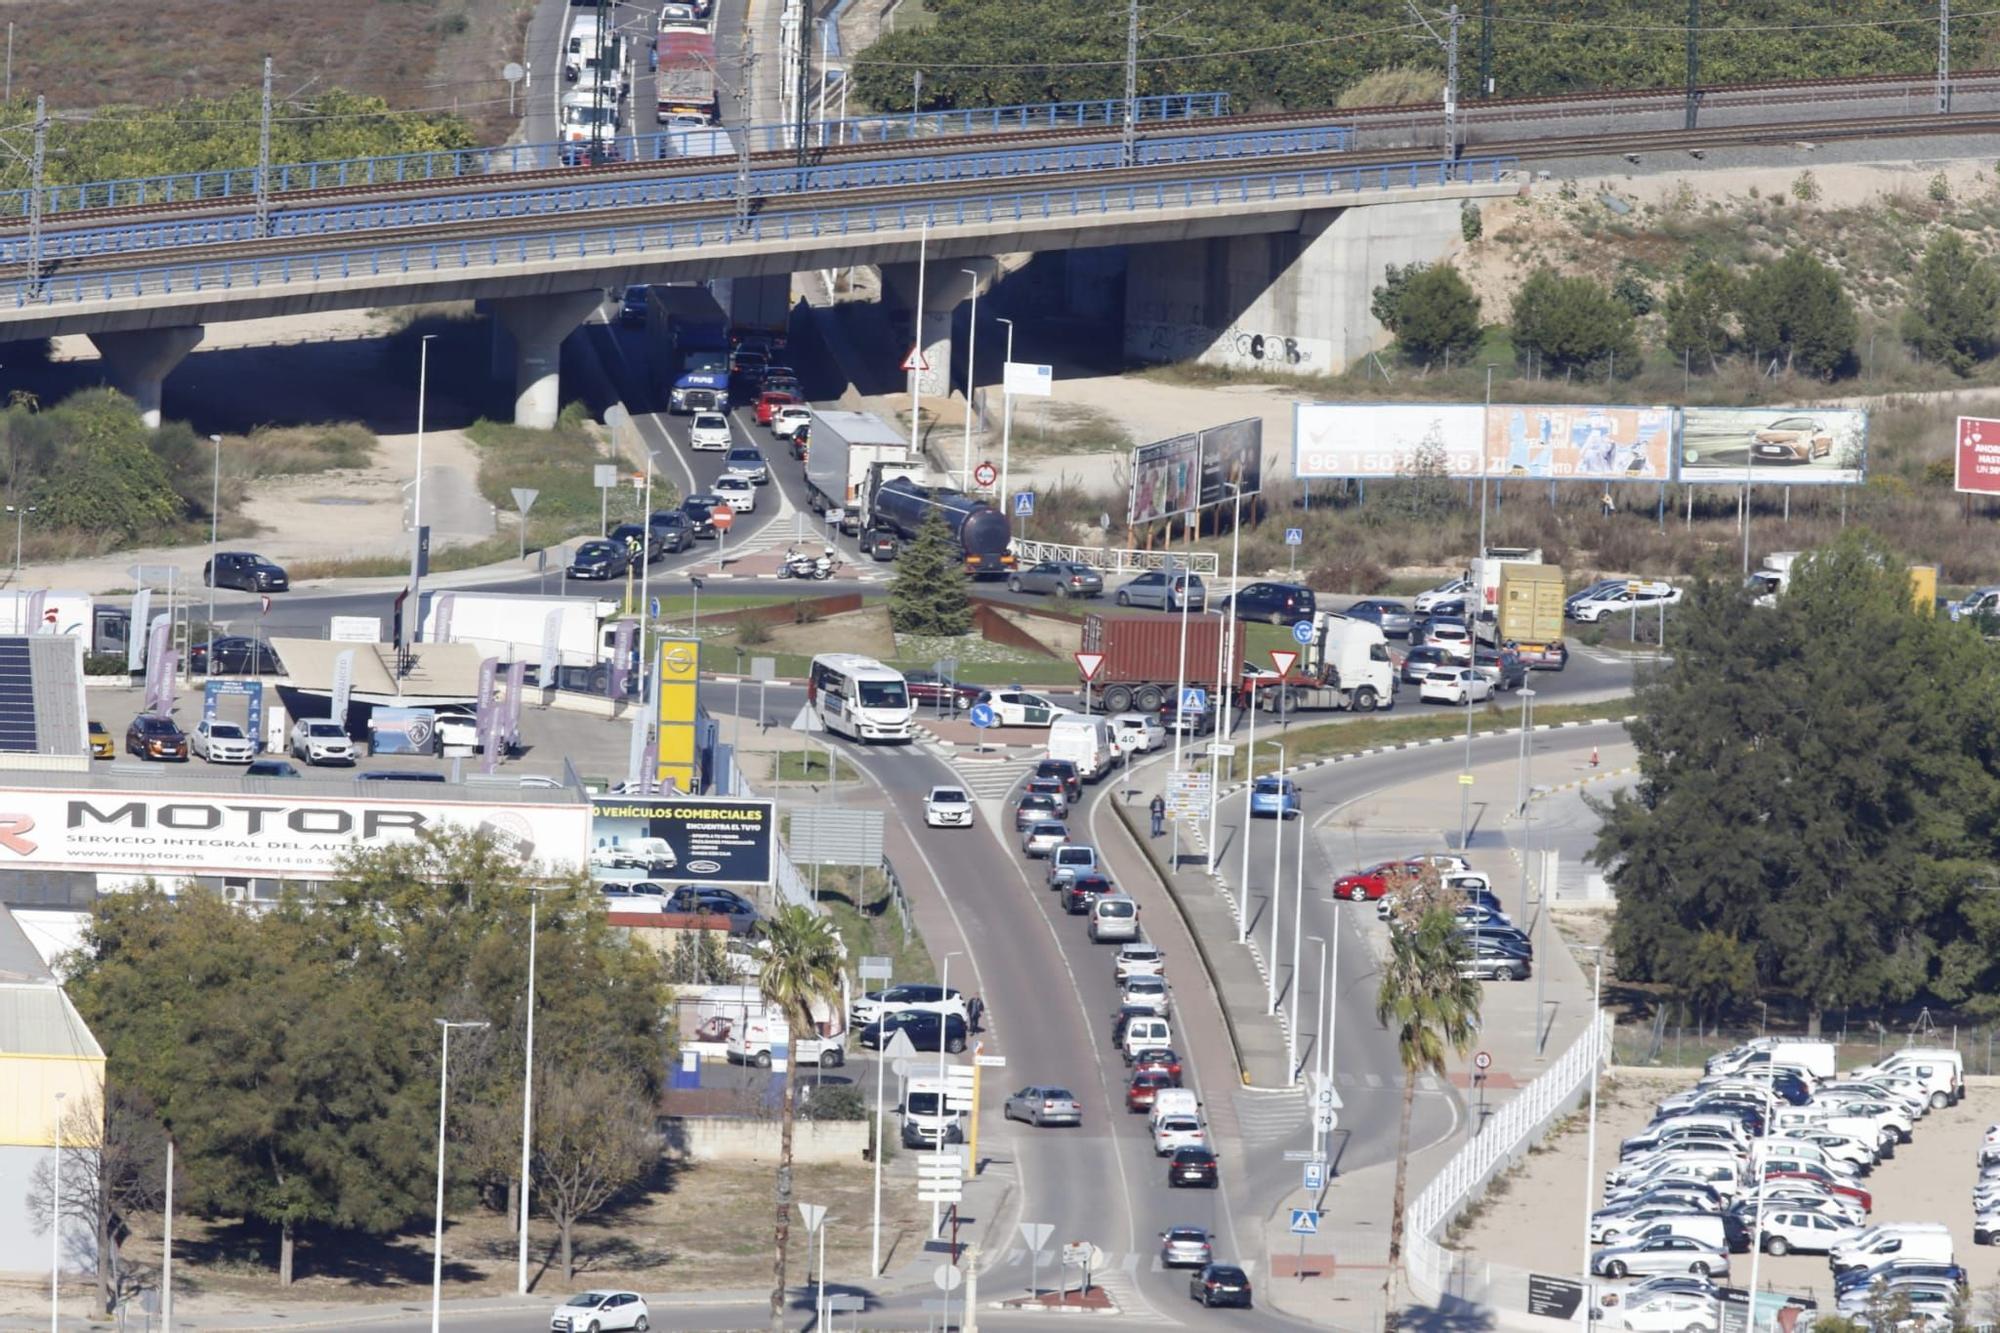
(1086, 742)
(925, 1119)
(1940, 1069)
(1114, 918)
(750, 1043)
(1816, 1058)
(1928, 1242)
(1173, 1101)
(1144, 1034)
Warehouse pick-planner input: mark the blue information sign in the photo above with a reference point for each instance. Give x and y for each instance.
(1303, 631)
(1294, 536)
(982, 715)
(1024, 504)
(1305, 1222)
(1193, 700)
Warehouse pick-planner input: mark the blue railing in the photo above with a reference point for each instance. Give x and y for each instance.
(343, 219)
(640, 242)
(456, 164)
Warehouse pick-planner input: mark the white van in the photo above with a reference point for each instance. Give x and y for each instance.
(1173, 1101)
(1145, 1033)
(1940, 1069)
(1114, 917)
(1816, 1058)
(925, 1119)
(1764, 1152)
(1928, 1242)
(1086, 742)
(750, 1044)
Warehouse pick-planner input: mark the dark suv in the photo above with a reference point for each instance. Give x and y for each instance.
(1065, 772)
(697, 509)
(154, 737)
(1503, 666)
(1274, 603)
(241, 569)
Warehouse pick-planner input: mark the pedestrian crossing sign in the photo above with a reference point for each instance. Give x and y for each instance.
(1193, 699)
(1305, 1222)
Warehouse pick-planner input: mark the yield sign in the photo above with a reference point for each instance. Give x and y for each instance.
(916, 360)
(1283, 661)
(1090, 664)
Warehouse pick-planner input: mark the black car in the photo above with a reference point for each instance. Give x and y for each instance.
(1420, 662)
(271, 768)
(746, 376)
(1084, 890)
(1506, 937)
(1274, 603)
(1221, 1284)
(880, 544)
(235, 655)
(697, 509)
(1193, 1166)
(638, 539)
(1064, 772)
(632, 309)
(925, 1029)
(600, 559)
(670, 531)
(397, 775)
(242, 569)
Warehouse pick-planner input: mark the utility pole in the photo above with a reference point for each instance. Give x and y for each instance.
(1449, 42)
(1131, 134)
(1944, 57)
(1694, 60)
(802, 100)
(1486, 49)
(35, 194)
(744, 60)
(264, 157)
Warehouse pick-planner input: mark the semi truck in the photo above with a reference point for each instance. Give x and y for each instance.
(686, 76)
(1529, 614)
(1483, 575)
(1143, 663)
(984, 538)
(513, 627)
(759, 309)
(842, 447)
(687, 341)
(1346, 666)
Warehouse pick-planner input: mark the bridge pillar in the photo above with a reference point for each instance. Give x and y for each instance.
(1293, 301)
(539, 325)
(945, 287)
(138, 361)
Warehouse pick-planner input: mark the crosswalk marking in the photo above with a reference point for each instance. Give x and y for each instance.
(993, 779)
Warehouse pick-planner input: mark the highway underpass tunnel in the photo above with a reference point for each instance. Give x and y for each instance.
(946, 287)
(539, 324)
(138, 362)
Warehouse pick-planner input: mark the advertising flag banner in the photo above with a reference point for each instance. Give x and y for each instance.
(621, 655)
(1387, 439)
(1789, 446)
(135, 643)
(517, 681)
(343, 684)
(1166, 479)
(1567, 442)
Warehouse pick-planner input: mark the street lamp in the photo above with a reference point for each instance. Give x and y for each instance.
(1249, 784)
(416, 612)
(19, 512)
(1590, 1151)
(1527, 725)
(1006, 419)
(437, 1239)
(1277, 884)
(528, 1086)
(214, 514)
(1298, 931)
(55, 1225)
(971, 371)
(944, 1029)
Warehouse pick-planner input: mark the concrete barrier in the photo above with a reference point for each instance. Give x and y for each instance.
(724, 1139)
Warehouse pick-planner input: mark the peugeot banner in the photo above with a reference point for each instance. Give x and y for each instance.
(135, 644)
(343, 685)
(695, 840)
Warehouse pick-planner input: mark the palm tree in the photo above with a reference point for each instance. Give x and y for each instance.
(1431, 1009)
(801, 971)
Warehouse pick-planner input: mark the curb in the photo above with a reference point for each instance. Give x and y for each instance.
(1325, 760)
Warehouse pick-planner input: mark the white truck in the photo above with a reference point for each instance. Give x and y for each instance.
(841, 447)
(1770, 582)
(1346, 666)
(1085, 741)
(1483, 574)
(513, 626)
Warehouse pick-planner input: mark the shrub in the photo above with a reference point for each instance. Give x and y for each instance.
(1571, 322)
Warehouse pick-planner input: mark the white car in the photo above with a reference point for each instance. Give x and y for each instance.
(710, 431)
(1669, 1311)
(1807, 1230)
(602, 1311)
(1137, 958)
(1661, 1254)
(319, 740)
(786, 420)
(1178, 1131)
(947, 807)
(1148, 990)
(1633, 596)
(1450, 590)
(740, 492)
(1138, 733)
(1021, 708)
(1455, 685)
(221, 742)
(457, 733)
(1454, 641)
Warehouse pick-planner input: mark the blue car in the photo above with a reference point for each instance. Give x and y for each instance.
(1271, 798)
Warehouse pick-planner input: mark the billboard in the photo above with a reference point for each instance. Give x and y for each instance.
(1567, 442)
(1978, 456)
(1387, 439)
(699, 841)
(1788, 445)
(1166, 479)
(1232, 453)
(282, 837)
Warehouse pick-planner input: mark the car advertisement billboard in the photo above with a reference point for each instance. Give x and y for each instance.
(1788, 445)
(1568, 442)
(700, 840)
(1166, 479)
(1387, 439)
(279, 837)
(1232, 455)
(1978, 456)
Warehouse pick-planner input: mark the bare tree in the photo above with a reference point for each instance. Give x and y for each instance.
(114, 1162)
(594, 1139)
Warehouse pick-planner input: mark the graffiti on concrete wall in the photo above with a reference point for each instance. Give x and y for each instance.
(1237, 347)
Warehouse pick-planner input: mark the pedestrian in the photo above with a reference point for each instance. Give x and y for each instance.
(1609, 505)
(974, 1009)
(1159, 812)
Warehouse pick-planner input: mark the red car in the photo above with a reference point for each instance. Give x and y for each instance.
(1158, 1059)
(1139, 1097)
(1824, 1179)
(1373, 882)
(768, 404)
(927, 689)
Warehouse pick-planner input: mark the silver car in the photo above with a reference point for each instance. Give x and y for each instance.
(1660, 1254)
(1185, 1247)
(1149, 991)
(1150, 589)
(1043, 836)
(1064, 578)
(1393, 616)
(1138, 959)
(1044, 1106)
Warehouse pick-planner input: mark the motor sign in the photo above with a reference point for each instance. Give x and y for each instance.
(1284, 662)
(1302, 631)
(985, 475)
(1090, 664)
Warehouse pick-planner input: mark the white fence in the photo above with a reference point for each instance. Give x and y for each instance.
(1114, 559)
(1439, 1276)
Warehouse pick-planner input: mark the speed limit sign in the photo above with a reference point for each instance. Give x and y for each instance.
(1482, 1062)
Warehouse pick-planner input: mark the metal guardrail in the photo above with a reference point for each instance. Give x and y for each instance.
(347, 219)
(646, 242)
(456, 164)
(1437, 1273)
(1115, 559)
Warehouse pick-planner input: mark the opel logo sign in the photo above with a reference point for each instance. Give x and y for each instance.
(680, 657)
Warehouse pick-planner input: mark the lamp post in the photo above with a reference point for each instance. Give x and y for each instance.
(1006, 420)
(944, 1029)
(1590, 1151)
(214, 514)
(1215, 751)
(528, 1089)
(1243, 876)
(1298, 932)
(19, 512)
(1277, 885)
(415, 616)
(1527, 725)
(1321, 1069)
(437, 1238)
(971, 372)
(55, 1225)
(917, 345)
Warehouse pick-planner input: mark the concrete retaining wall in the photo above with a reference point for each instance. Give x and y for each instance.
(731, 1140)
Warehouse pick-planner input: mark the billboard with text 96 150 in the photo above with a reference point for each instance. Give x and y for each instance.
(1387, 439)
(1780, 445)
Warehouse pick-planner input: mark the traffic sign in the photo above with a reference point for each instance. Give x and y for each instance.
(1303, 631)
(1482, 1061)
(1326, 1120)
(958, 1088)
(1284, 662)
(940, 1177)
(1194, 699)
(812, 1214)
(1303, 1155)
(1294, 536)
(722, 516)
(1465, 779)
(1090, 664)
(879, 967)
(1036, 1234)
(990, 1061)
(1315, 1176)
(947, 1277)
(1024, 504)
(982, 716)
(1305, 1222)
(985, 475)
(900, 1046)
(916, 360)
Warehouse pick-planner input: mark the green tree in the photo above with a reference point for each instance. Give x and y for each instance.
(594, 1139)
(1796, 309)
(1697, 311)
(1954, 312)
(930, 594)
(1386, 301)
(1571, 323)
(1433, 1012)
(801, 974)
(1436, 312)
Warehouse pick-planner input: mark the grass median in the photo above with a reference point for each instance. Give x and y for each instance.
(1332, 739)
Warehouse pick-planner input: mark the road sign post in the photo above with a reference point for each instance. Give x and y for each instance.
(1035, 1235)
(1089, 664)
(524, 500)
(985, 475)
(1305, 1222)
(1293, 538)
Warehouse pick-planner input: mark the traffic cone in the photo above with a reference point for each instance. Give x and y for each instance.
(1593, 756)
